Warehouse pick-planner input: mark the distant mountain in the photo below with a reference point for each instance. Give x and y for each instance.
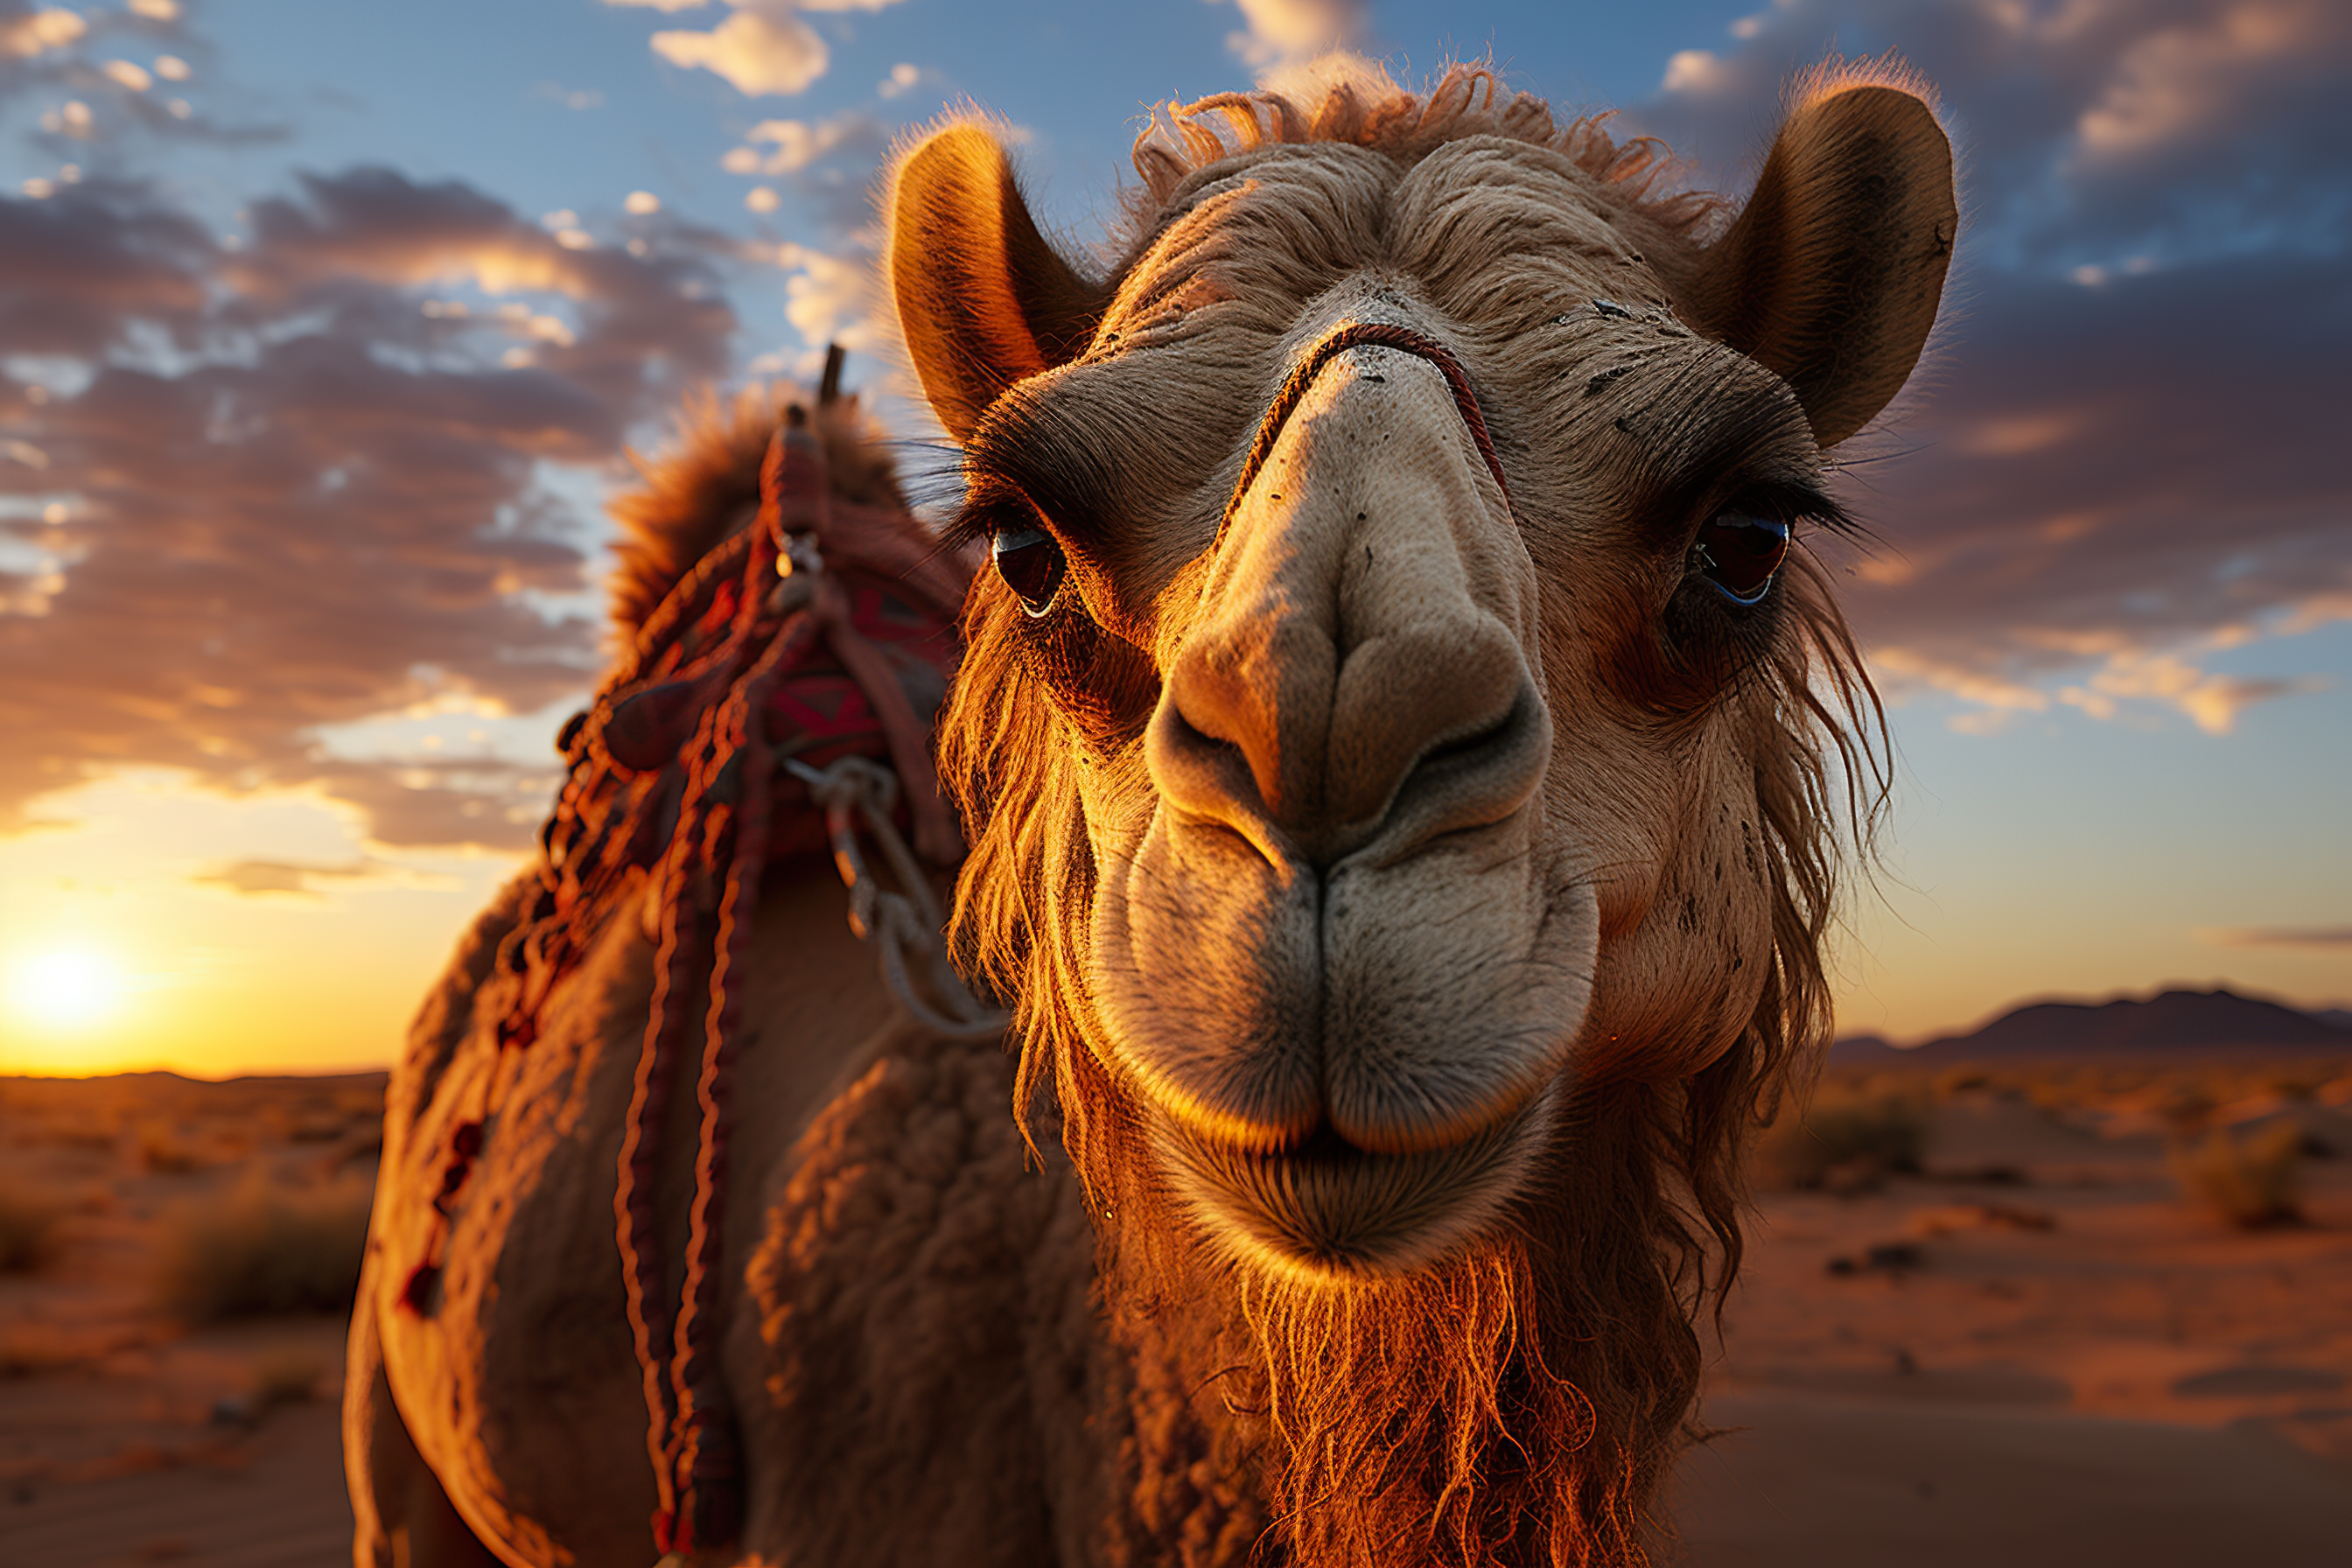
(2177, 1023)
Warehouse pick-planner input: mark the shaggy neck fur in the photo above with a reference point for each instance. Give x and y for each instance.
(1519, 1401)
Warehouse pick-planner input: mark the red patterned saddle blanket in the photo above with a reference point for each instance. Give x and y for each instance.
(844, 617)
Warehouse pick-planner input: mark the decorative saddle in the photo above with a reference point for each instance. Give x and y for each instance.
(779, 700)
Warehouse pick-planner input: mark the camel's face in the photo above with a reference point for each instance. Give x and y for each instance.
(1392, 554)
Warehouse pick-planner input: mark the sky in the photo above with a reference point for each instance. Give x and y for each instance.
(325, 327)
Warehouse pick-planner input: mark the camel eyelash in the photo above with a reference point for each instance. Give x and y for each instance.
(990, 507)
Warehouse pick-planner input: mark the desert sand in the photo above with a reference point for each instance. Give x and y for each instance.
(2032, 1351)
(128, 1436)
(2069, 1365)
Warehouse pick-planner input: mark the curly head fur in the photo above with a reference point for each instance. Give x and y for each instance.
(1663, 764)
(705, 485)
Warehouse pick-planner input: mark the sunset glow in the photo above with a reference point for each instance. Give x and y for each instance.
(64, 987)
(283, 652)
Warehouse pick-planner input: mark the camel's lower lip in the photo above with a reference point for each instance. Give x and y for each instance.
(1334, 1213)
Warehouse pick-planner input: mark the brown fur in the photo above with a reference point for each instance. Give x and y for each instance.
(1519, 1401)
(707, 487)
(937, 1350)
(1342, 102)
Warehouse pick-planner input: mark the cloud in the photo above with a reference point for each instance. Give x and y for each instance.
(302, 878)
(828, 165)
(296, 484)
(2278, 936)
(792, 145)
(2212, 701)
(2119, 461)
(2183, 78)
(76, 63)
(26, 33)
(764, 48)
(575, 99)
(2092, 131)
(756, 53)
(828, 298)
(2112, 485)
(75, 271)
(1281, 30)
(249, 879)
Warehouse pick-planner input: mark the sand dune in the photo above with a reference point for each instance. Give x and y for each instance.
(2066, 1364)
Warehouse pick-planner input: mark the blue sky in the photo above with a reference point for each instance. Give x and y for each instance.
(324, 328)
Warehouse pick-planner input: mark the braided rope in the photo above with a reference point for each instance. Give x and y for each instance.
(898, 923)
(689, 1436)
(1338, 341)
(672, 769)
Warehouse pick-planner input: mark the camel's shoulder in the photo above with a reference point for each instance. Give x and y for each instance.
(447, 1014)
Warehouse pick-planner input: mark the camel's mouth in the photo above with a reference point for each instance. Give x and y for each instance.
(1331, 1213)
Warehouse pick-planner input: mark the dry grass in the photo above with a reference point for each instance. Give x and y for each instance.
(31, 1349)
(2251, 1183)
(28, 1232)
(263, 1250)
(1853, 1135)
(287, 1377)
(163, 1153)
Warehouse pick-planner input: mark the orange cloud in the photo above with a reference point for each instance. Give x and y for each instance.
(327, 505)
(2327, 937)
(2201, 74)
(764, 48)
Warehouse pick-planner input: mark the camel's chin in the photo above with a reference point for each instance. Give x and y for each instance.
(1328, 1213)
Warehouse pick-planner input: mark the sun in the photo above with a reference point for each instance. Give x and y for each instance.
(65, 988)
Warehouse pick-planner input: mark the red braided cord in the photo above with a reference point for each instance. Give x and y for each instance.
(701, 818)
(1338, 341)
(698, 843)
(708, 1485)
(635, 1222)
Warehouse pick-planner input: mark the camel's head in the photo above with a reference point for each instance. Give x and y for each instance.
(1394, 708)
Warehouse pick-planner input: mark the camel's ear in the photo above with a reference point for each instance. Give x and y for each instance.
(1833, 272)
(983, 300)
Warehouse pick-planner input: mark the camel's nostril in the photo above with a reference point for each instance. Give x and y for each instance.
(1476, 778)
(1235, 735)
(1493, 740)
(1208, 780)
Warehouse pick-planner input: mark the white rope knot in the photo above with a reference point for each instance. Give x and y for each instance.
(908, 922)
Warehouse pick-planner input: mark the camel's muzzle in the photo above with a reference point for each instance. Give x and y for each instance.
(1339, 930)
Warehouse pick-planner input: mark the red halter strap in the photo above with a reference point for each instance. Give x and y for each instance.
(1358, 334)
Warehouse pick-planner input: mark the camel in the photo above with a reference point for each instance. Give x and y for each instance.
(1403, 741)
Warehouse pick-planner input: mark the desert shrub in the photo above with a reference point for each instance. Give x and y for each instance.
(28, 1232)
(162, 1152)
(2252, 1182)
(287, 1377)
(94, 1136)
(1846, 1139)
(264, 1250)
(31, 1350)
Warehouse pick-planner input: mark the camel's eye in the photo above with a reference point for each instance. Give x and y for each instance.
(1031, 565)
(1739, 554)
